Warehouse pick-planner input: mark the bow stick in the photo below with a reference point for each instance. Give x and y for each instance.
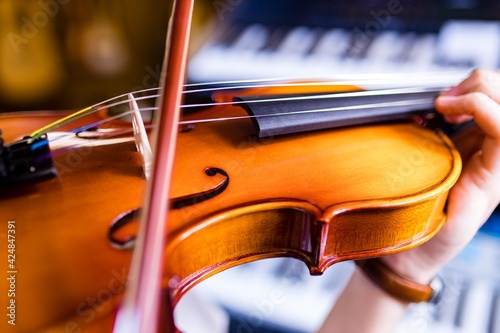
(140, 309)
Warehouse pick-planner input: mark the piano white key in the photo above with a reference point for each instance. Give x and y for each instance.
(204, 66)
(383, 47)
(332, 43)
(447, 310)
(385, 51)
(326, 58)
(495, 314)
(254, 37)
(423, 53)
(477, 305)
(470, 43)
(297, 41)
(406, 44)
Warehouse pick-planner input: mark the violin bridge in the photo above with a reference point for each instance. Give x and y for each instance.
(141, 137)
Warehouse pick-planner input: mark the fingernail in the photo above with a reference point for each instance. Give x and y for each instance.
(449, 92)
(444, 99)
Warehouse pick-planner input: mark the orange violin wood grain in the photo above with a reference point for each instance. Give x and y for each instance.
(320, 197)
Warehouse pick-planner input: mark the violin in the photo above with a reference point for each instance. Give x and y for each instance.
(249, 181)
(321, 196)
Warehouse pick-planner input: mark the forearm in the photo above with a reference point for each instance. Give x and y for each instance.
(364, 308)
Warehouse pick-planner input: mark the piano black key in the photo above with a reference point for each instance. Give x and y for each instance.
(276, 37)
(474, 311)
(408, 42)
(358, 45)
(229, 35)
(494, 323)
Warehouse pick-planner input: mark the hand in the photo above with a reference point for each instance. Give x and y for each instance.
(365, 308)
(477, 192)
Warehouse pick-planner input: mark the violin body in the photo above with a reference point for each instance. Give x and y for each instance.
(321, 197)
(68, 277)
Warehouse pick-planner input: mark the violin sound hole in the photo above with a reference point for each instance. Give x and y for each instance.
(193, 199)
(127, 242)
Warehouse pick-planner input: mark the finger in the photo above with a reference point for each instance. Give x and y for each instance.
(486, 114)
(486, 82)
(486, 111)
(453, 119)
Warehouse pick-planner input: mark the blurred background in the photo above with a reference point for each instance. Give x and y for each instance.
(67, 54)
(63, 54)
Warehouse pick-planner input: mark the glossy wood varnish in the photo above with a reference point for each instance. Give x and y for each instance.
(320, 197)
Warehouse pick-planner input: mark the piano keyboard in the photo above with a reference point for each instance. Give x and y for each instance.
(258, 51)
(279, 295)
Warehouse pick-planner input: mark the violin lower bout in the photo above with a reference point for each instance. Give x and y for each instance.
(366, 192)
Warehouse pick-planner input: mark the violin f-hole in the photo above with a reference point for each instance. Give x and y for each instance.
(196, 198)
(130, 216)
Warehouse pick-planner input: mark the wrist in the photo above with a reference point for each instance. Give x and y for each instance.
(362, 307)
(398, 286)
(410, 269)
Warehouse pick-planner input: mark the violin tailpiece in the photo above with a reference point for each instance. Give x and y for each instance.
(25, 161)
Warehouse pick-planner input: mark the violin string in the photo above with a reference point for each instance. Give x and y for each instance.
(365, 93)
(414, 102)
(144, 109)
(95, 124)
(61, 147)
(107, 103)
(80, 114)
(375, 78)
(351, 94)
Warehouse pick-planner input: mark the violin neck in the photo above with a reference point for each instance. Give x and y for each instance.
(278, 115)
